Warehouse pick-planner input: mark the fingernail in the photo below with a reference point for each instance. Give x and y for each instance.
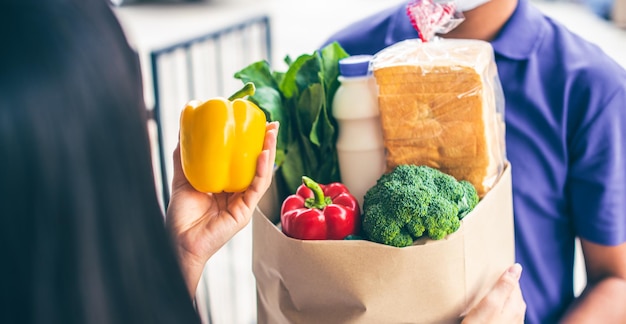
(515, 270)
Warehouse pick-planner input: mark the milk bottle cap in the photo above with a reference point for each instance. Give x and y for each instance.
(354, 66)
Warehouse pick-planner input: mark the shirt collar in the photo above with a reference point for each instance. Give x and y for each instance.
(400, 27)
(522, 34)
(518, 39)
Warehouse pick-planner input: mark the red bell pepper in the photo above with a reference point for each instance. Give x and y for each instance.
(320, 212)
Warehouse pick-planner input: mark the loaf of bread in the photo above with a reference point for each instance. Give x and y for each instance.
(441, 105)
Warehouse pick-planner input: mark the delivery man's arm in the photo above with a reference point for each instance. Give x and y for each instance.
(604, 298)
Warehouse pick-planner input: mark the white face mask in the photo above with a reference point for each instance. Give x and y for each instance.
(466, 5)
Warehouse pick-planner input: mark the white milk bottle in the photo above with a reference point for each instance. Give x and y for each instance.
(360, 147)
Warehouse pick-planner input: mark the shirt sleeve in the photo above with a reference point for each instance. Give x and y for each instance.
(597, 170)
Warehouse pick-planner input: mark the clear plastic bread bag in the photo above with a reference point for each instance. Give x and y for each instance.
(441, 101)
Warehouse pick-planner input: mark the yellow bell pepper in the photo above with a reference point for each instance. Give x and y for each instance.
(220, 142)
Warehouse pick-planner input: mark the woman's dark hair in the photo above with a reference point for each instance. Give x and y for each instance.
(81, 230)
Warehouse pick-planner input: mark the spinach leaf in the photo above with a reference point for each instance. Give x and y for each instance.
(300, 98)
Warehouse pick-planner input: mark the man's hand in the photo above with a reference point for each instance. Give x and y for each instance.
(503, 304)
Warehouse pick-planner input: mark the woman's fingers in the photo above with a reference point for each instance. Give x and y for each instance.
(178, 178)
(265, 167)
(270, 145)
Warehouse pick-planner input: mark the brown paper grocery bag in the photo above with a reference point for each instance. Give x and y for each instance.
(302, 281)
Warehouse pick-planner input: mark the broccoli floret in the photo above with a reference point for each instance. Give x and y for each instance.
(448, 187)
(442, 218)
(413, 201)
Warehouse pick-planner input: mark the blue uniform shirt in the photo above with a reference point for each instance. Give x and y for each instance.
(566, 129)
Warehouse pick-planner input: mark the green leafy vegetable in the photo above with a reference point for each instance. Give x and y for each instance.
(301, 100)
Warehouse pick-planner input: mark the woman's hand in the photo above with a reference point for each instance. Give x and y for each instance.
(200, 224)
(503, 304)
